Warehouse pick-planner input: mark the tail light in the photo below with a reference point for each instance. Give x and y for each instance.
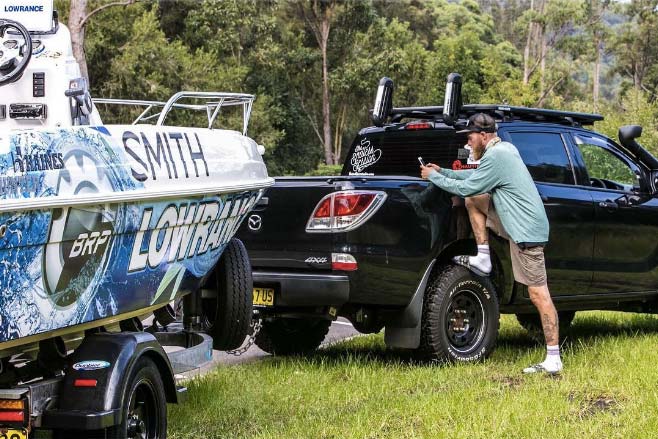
(344, 211)
(12, 411)
(343, 261)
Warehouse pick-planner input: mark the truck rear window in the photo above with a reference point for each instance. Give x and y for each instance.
(397, 152)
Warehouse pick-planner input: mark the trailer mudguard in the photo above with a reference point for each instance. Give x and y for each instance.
(92, 392)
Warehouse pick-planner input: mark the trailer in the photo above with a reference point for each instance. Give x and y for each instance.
(113, 385)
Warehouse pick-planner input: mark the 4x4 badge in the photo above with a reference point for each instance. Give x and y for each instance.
(255, 222)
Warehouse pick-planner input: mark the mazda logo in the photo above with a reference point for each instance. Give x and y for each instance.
(255, 222)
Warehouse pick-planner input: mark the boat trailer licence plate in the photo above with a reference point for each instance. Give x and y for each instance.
(12, 434)
(264, 296)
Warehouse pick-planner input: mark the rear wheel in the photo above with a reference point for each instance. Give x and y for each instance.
(460, 317)
(227, 316)
(532, 323)
(288, 336)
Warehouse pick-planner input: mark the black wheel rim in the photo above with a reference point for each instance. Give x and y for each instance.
(143, 416)
(465, 321)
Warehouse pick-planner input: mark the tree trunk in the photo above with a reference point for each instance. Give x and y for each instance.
(76, 24)
(338, 133)
(597, 74)
(326, 108)
(78, 18)
(526, 51)
(542, 72)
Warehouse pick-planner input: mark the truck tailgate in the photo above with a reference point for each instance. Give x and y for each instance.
(275, 231)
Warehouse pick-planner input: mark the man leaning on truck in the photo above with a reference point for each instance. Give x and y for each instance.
(500, 194)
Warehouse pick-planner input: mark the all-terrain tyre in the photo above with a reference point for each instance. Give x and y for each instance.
(287, 336)
(532, 323)
(227, 317)
(460, 317)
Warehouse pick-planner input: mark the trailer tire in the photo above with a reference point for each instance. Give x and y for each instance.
(288, 336)
(146, 387)
(460, 317)
(227, 316)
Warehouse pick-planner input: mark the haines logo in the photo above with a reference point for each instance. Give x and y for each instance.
(36, 162)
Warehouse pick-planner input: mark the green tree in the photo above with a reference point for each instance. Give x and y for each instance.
(636, 48)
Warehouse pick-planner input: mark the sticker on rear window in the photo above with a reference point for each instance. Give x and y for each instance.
(364, 155)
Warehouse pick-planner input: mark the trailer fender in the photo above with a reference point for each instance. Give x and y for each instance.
(93, 390)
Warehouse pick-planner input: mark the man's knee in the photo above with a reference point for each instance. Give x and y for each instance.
(539, 294)
(478, 202)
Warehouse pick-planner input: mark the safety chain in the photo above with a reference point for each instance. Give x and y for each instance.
(255, 325)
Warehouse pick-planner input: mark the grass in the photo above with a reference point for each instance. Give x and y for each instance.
(358, 389)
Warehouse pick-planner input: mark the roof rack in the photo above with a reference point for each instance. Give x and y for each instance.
(502, 113)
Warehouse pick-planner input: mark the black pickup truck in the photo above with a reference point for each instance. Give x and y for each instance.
(375, 244)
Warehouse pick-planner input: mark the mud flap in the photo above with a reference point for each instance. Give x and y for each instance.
(404, 331)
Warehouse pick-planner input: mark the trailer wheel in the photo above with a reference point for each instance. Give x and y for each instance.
(532, 324)
(145, 405)
(292, 336)
(227, 317)
(460, 317)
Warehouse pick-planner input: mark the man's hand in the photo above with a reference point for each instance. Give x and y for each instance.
(426, 170)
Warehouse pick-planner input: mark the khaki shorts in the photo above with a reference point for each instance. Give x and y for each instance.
(528, 264)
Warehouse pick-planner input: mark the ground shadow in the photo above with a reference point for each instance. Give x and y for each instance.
(584, 331)
(587, 328)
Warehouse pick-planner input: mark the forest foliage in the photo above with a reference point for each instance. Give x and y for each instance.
(314, 64)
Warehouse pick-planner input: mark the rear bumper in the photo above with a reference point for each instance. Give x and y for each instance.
(301, 289)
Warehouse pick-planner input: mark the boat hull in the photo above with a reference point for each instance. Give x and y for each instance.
(97, 225)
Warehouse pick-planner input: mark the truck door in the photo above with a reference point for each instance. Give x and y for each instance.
(626, 218)
(568, 207)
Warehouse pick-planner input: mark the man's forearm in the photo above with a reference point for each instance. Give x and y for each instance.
(456, 175)
(463, 188)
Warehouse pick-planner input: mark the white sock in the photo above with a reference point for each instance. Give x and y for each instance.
(483, 260)
(553, 360)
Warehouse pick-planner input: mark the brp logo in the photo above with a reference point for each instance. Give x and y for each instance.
(78, 238)
(255, 222)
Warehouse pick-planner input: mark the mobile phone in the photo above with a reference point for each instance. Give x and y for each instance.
(420, 160)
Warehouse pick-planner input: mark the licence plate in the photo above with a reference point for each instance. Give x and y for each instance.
(12, 434)
(264, 296)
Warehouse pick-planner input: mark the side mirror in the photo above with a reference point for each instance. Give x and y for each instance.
(383, 102)
(452, 101)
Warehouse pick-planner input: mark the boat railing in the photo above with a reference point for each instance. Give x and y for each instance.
(212, 105)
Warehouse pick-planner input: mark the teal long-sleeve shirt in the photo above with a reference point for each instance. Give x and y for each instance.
(515, 197)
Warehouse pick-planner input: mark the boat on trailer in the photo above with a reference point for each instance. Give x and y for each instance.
(99, 223)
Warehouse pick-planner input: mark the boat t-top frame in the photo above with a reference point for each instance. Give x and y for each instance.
(214, 102)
